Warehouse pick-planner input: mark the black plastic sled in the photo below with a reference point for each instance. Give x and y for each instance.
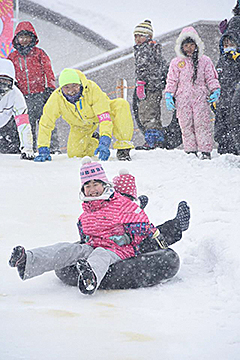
(172, 132)
(144, 270)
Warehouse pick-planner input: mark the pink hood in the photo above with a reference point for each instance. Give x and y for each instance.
(192, 33)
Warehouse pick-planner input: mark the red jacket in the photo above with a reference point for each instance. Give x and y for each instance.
(104, 218)
(33, 71)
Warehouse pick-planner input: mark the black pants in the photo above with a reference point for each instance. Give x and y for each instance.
(171, 232)
(9, 138)
(35, 104)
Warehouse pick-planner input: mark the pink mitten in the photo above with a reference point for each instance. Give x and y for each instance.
(141, 90)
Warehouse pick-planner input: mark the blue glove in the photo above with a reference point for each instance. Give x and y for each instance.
(214, 96)
(103, 148)
(44, 154)
(169, 102)
(153, 137)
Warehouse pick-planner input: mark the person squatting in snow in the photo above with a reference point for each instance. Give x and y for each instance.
(34, 75)
(15, 130)
(191, 79)
(84, 106)
(111, 228)
(151, 74)
(227, 123)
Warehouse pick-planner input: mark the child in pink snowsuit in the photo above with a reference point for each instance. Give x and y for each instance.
(191, 79)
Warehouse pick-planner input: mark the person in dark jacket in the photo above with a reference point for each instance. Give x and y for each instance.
(150, 72)
(34, 75)
(227, 123)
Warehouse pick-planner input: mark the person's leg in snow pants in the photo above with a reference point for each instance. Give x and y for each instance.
(60, 255)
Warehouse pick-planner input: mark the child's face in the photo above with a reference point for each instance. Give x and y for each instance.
(93, 188)
(71, 89)
(228, 43)
(189, 48)
(139, 39)
(24, 40)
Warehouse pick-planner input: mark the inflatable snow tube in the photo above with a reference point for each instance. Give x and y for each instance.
(144, 270)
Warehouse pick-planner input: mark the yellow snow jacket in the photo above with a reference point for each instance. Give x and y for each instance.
(83, 114)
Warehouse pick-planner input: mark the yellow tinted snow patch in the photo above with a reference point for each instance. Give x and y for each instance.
(132, 336)
(105, 304)
(61, 313)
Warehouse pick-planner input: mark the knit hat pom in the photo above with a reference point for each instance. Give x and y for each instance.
(125, 183)
(86, 160)
(145, 28)
(123, 172)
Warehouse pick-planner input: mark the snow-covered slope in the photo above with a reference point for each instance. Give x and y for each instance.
(115, 20)
(194, 316)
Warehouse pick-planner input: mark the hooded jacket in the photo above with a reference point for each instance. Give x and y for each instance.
(14, 104)
(83, 114)
(33, 71)
(179, 80)
(233, 29)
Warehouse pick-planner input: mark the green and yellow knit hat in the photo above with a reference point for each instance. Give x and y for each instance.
(69, 76)
(144, 28)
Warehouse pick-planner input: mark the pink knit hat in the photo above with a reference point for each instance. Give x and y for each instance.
(92, 171)
(125, 183)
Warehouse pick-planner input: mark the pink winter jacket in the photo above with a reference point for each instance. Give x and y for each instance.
(104, 218)
(179, 79)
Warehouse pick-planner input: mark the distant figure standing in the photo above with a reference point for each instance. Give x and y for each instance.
(227, 123)
(34, 75)
(191, 79)
(150, 72)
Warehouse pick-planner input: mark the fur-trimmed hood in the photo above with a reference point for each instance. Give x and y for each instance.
(192, 33)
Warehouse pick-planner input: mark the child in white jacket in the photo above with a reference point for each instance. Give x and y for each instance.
(15, 130)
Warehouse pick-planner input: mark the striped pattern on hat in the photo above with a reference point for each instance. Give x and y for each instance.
(92, 171)
(144, 28)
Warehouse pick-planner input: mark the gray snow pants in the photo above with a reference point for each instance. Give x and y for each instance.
(149, 111)
(60, 255)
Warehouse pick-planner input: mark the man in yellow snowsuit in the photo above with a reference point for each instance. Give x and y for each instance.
(84, 106)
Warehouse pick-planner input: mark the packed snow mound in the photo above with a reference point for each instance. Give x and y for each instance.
(195, 315)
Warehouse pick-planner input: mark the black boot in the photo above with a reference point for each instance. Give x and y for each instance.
(205, 155)
(192, 152)
(18, 259)
(183, 215)
(123, 154)
(143, 199)
(87, 280)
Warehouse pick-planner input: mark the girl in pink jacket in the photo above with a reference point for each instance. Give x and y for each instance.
(106, 217)
(192, 83)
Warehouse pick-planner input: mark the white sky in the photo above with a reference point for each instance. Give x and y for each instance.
(115, 20)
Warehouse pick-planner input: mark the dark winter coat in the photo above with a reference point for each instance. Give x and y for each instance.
(233, 28)
(227, 118)
(150, 66)
(33, 70)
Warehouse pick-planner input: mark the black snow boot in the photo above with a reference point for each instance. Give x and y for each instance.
(18, 259)
(192, 152)
(205, 155)
(143, 199)
(123, 154)
(87, 280)
(183, 215)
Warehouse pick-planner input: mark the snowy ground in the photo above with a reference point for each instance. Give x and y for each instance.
(194, 316)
